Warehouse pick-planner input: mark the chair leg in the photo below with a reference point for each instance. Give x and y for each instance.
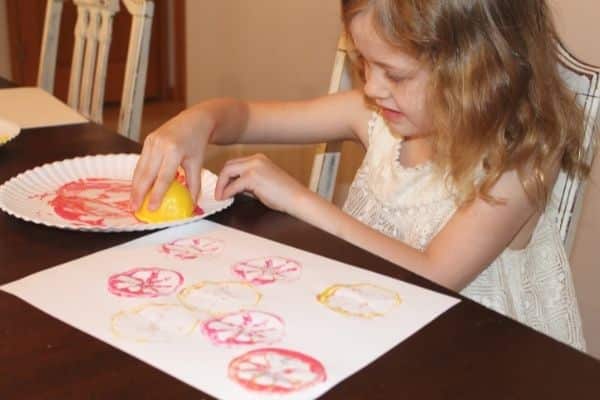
(324, 170)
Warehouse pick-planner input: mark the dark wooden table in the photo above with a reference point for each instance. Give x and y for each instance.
(467, 353)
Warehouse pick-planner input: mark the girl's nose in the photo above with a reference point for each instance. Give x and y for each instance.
(376, 86)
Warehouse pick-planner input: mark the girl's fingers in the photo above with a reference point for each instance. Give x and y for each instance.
(237, 185)
(143, 176)
(166, 174)
(231, 171)
(193, 175)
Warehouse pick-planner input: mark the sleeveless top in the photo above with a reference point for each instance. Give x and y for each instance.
(412, 204)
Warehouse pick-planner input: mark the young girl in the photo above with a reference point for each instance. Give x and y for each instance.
(466, 124)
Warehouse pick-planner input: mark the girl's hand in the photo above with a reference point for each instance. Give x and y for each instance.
(258, 175)
(180, 141)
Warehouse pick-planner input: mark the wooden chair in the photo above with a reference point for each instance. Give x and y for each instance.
(93, 32)
(583, 79)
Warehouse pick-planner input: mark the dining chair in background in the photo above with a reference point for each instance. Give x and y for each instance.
(93, 33)
(327, 157)
(583, 79)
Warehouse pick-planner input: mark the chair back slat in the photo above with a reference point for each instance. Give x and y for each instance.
(89, 61)
(77, 58)
(134, 84)
(47, 69)
(104, 41)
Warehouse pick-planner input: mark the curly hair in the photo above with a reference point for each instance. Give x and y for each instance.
(495, 91)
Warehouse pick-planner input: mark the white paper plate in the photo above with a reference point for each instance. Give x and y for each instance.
(89, 194)
(8, 131)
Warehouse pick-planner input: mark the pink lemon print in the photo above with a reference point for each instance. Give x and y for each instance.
(272, 370)
(145, 282)
(192, 248)
(265, 270)
(244, 328)
(94, 202)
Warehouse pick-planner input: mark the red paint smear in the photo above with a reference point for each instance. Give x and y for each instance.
(180, 177)
(90, 201)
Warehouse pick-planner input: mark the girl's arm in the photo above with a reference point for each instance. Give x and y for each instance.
(183, 139)
(339, 116)
(475, 235)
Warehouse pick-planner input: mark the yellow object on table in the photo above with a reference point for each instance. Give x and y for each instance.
(176, 204)
(4, 138)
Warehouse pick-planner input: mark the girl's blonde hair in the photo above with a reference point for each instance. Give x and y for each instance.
(494, 88)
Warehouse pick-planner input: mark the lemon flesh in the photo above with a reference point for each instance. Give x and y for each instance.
(176, 204)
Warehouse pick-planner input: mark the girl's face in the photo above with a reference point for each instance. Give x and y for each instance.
(395, 81)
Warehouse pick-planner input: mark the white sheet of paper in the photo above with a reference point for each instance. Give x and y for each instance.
(32, 107)
(189, 324)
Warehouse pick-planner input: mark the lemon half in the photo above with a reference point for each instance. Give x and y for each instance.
(176, 204)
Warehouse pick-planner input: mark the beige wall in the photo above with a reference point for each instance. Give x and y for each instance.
(578, 26)
(577, 22)
(4, 48)
(261, 49)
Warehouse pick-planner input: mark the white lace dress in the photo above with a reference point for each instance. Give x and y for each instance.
(532, 285)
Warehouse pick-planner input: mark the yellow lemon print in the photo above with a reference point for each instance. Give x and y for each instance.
(176, 204)
(359, 300)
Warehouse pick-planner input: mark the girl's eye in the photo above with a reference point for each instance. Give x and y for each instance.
(394, 78)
